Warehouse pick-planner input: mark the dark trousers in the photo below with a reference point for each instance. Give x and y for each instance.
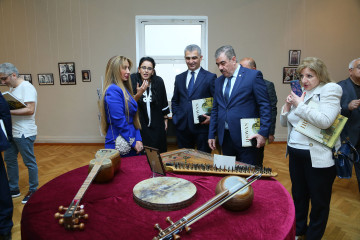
(310, 184)
(6, 204)
(250, 155)
(357, 166)
(188, 139)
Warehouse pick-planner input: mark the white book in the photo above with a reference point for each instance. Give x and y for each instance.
(249, 127)
(200, 107)
(2, 127)
(13, 101)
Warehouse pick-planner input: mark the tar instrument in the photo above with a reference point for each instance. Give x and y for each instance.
(101, 169)
(193, 161)
(174, 229)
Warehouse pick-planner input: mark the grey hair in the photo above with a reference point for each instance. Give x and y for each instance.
(8, 68)
(228, 50)
(191, 48)
(351, 64)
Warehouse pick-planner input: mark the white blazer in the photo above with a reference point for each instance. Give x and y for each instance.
(327, 96)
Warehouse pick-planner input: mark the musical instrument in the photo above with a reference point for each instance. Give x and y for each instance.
(164, 193)
(172, 231)
(242, 200)
(101, 169)
(194, 162)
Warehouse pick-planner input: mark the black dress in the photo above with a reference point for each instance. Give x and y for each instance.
(152, 129)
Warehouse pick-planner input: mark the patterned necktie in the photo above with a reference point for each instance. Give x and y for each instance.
(227, 90)
(191, 84)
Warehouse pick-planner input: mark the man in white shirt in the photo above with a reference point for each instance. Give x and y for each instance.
(24, 130)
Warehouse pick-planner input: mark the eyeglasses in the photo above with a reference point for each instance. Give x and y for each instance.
(146, 68)
(4, 78)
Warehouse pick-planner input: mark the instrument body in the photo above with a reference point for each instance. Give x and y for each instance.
(102, 168)
(242, 200)
(172, 231)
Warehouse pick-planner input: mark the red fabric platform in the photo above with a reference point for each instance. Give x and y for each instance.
(113, 214)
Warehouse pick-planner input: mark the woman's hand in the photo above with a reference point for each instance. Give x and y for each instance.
(143, 87)
(295, 99)
(166, 123)
(138, 147)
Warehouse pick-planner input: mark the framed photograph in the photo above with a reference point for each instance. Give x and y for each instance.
(289, 74)
(46, 79)
(26, 77)
(67, 73)
(85, 74)
(154, 160)
(294, 57)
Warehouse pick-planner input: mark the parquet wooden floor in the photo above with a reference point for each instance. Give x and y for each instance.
(56, 159)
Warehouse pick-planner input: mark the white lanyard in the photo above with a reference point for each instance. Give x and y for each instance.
(148, 99)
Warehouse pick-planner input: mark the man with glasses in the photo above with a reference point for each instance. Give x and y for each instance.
(239, 93)
(350, 107)
(194, 83)
(24, 131)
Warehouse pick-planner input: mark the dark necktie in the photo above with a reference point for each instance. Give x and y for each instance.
(191, 84)
(227, 90)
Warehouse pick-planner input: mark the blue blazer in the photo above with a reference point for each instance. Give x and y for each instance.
(249, 99)
(6, 117)
(116, 117)
(352, 127)
(182, 114)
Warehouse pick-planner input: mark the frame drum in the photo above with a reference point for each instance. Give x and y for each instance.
(240, 201)
(164, 193)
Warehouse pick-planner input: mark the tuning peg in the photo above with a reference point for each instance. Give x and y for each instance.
(187, 229)
(157, 226)
(58, 215)
(85, 216)
(168, 219)
(61, 221)
(176, 237)
(62, 208)
(80, 226)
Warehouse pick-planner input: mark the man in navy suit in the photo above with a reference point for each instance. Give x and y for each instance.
(350, 102)
(239, 93)
(251, 64)
(195, 83)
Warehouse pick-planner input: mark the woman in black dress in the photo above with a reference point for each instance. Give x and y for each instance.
(150, 94)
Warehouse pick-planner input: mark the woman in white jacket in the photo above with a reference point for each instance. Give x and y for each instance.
(311, 166)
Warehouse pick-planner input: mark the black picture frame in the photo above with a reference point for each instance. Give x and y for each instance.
(154, 160)
(26, 77)
(67, 74)
(289, 74)
(85, 76)
(45, 79)
(294, 57)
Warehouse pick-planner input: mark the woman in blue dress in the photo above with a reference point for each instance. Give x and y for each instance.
(119, 117)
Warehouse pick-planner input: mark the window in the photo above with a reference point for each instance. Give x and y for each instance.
(164, 38)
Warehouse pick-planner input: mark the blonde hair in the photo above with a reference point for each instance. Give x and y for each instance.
(318, 66)
(113, 76)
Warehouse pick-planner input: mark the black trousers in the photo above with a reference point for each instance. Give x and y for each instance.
(189, 139)
(6, 204)
(250, 155)
(310, 184)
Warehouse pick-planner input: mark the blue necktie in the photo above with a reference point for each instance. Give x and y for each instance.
(227, 90)
(191, 84)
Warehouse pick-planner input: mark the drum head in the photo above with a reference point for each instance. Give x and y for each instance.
(164, 193)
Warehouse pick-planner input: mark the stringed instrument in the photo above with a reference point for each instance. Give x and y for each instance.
(174, 229)
(101, 169)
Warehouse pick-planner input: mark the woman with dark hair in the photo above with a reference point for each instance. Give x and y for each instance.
(150, 94)
(311, 166)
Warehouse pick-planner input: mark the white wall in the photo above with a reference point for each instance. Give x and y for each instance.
(38, 34)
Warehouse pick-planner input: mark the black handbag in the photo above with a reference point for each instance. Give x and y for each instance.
(344, 158)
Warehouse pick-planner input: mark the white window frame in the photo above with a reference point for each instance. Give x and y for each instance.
(142, 20)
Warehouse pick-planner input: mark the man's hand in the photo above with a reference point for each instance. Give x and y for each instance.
(212, 144)
(261, 140)
(354, 104)
(271, 138)
(207, 119)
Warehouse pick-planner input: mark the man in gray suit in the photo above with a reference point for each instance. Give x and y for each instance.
(250, 63)
(350, 102)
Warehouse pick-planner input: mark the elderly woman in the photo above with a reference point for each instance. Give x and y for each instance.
(119, 118)
(150, 94)
(311, 166)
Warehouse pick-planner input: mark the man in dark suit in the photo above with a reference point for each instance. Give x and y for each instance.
(239, 93)
(6, 204)
(251, 64)
(350, 102)
(195, 83)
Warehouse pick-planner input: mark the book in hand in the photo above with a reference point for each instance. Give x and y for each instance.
(14, 102)
(200, 107)
(328, 137)
(249, 127)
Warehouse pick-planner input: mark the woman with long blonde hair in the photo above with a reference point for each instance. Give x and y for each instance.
(118, 108)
